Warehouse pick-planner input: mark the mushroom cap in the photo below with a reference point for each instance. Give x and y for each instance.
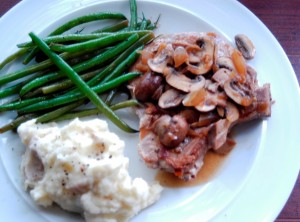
(170, 98)
(180, 56)
(245, 46)
(171, 130)
(181, 82)
(222, 75)
(163, 57)
(201, 57)
(238, 92)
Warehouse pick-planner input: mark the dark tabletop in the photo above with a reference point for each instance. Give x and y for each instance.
(282, 17)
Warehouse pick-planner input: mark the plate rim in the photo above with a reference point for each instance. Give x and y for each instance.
(236, 4)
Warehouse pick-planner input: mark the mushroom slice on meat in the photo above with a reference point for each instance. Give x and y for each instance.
(194, 97)
(211, 86)
(163, 57)
(224, 62)
(222, 54)
(170, 98)
(211, 101)
(245, 46)
(238, 92)
(180, 56)
(205, 119)
(222, 76)
(182, 82)
(204, 100)
(201, 57)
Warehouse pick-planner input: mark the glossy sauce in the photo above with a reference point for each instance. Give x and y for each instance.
(212, 163)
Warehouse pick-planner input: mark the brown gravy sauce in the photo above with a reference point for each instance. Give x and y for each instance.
(212, 163)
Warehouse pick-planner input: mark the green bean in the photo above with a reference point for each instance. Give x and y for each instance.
(87, 18)
(138, 25)
(154, 25)
(57, 86)
(17, 122)
(68, 98)
(98, 78)
(75, 22)
(97, 60)
(133, 15)
(91, 44)
(30, 55)
(84, 88)
(15, 89)
(144, 23)
(53, 115)
(65, 84)
(110, 72)
(13, 56)
(19, 104)
(34, 68)
(90, 112)
(10, 90)
(75, 38)
(66, 38)
(125, 65)
(113, 28)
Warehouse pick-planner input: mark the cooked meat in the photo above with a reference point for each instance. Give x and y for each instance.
(195, 87)
(260, 108)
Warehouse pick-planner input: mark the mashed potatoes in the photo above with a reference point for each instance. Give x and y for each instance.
(81, 167)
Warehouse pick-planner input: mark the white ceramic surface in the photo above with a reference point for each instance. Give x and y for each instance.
(257, 177)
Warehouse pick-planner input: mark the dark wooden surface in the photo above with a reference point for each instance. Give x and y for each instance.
(282, 17)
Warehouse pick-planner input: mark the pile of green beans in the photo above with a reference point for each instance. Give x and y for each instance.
(75, 69)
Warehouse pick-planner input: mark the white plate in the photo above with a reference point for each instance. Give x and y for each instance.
(255, 179)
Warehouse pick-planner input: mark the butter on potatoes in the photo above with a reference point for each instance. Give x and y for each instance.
(81, 167)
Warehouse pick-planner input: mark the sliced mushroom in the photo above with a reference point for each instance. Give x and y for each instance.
(181, 81)
(252, 77)
(224, 62)
(163, 57)
(212, 100)
(238, 92)
(170, 98)
(171, 130)
(211, 86)
(194, 97)
(245, 46)
(180, 56)
(205, 119)
(222, 54)
(222, 76)
(201, 57)
(204, 100)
